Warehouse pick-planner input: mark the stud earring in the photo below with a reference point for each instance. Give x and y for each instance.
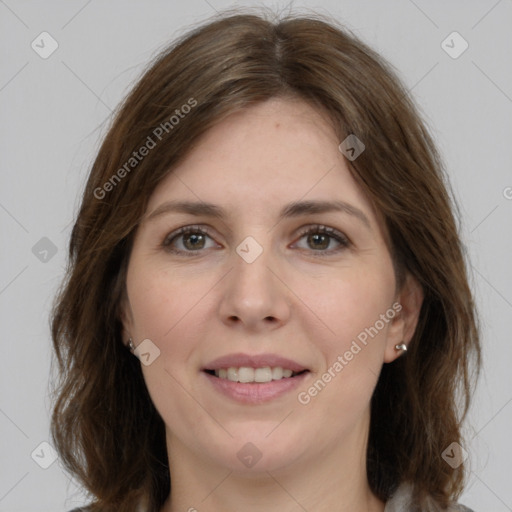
(401, 346)
(131, 346)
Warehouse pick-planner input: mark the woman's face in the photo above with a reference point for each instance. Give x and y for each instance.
(261, 286)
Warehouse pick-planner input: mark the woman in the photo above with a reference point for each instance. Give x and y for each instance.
(267, 305)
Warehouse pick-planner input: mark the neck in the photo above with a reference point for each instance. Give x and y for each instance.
(337, 482)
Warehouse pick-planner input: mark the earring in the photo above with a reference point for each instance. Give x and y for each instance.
(131, 346)
(401, 346)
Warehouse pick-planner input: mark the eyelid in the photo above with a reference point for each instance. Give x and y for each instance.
(322, 228)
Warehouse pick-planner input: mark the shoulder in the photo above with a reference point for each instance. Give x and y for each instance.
(401, 501)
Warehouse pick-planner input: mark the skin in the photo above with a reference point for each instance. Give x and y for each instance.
(290, 301)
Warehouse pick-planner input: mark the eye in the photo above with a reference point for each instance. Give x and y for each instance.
(320, 238)
(192, 238)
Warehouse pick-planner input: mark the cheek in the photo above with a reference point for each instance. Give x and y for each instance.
(171, 310)
(355, 310)
(352, 302)
(167, 311)
(160, 302)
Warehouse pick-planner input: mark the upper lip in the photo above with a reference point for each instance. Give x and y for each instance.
(254, 361)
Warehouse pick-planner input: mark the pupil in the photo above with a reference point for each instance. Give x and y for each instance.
(194, 237)
(317, 236)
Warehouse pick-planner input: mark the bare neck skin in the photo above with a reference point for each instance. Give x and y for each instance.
(331, 480)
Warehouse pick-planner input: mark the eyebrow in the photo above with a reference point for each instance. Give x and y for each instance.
(295, 209)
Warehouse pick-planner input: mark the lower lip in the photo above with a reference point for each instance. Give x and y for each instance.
(256, 393)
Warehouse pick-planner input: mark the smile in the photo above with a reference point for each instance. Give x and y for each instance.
(248, 375)
(254, 379)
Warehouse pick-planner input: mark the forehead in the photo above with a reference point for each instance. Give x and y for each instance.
(262, 157)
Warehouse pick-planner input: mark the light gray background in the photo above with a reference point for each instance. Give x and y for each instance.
(54, 113)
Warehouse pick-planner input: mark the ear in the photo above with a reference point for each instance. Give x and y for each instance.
(401, 329)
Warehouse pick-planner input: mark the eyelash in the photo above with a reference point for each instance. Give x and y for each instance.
(332, 233)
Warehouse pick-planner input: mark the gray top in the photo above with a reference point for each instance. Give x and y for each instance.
(401, 501)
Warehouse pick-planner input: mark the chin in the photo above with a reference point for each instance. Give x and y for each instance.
(253, 451)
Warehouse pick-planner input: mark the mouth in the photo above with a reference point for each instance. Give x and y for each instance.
(254, 379)
(248, 375)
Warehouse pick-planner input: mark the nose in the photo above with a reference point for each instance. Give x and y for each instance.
(255, 297)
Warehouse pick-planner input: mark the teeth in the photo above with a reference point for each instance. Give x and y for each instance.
(246, 375)
(233, 374)
(263, 374)
(277, 373)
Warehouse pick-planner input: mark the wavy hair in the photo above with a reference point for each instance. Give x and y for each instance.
(104, 425)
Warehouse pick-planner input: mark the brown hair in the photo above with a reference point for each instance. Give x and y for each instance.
(104, 425)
